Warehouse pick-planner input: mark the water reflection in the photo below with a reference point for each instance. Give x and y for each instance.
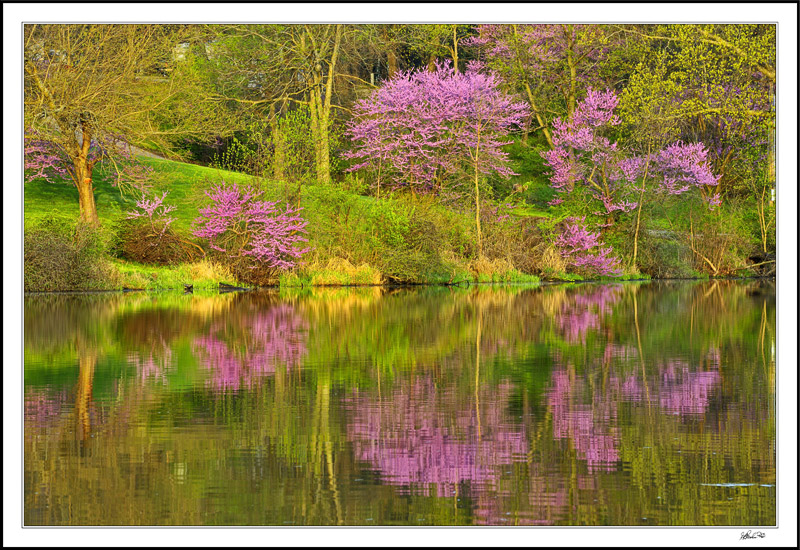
(560, 405)
(260, 340)
(423, 435)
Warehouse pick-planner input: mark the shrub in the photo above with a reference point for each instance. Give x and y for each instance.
(583, 251)
(59, 257)
(254, 238)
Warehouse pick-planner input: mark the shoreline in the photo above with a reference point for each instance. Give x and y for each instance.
(462, 284)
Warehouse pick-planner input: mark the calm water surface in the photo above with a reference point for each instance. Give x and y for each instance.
(621, 404)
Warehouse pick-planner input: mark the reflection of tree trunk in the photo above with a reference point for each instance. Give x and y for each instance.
(87, 359)
(639, 345)
(478, 372)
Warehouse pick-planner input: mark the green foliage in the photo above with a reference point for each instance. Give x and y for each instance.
(64, 256)
(201, 274)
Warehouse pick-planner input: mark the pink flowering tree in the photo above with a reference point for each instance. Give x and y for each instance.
(550, 64)
(582, 154)
(583, 250)
(424, 125)
(255, 237)
(155, 212)
(618, 179)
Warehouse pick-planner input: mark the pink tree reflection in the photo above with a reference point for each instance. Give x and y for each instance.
(272, 337)
(416, 438)
(43, 408)
(152, 366)
(589, 426)
(584, 310)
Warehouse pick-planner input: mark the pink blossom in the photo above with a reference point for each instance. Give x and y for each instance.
(239, 225)
(421, 125)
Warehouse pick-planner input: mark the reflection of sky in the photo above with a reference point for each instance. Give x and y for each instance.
(269, 338)
(418, 437)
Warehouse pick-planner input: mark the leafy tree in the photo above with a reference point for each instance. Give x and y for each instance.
(551, 64)
(264, 68)
(91, 90)
(709, 83)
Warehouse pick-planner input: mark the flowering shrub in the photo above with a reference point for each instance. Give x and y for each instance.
(583, 249)
(254, 238)
(155, 211)
(146, 236)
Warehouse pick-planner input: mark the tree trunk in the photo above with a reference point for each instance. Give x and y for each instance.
(455, 48)
(391, 54)
(82, 177)
(639, 211)
(83, 181)
(321, 110)
(536, 112)
(478, 207)
(573, 75)
(391, 61)
(279, 144)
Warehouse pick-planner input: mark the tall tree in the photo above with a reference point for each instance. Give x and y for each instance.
(423, 123)
(90, 90)
(266, 68)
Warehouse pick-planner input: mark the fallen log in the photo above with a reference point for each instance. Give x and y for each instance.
(224, 287)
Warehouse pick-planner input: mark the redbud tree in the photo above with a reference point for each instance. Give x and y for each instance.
(616, 177)
(256, 238)
(423, 126)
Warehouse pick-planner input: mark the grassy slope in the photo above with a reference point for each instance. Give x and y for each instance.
(43, 199)
(186, 184)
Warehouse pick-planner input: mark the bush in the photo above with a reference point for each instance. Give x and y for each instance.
(137, 242)
(255, 239)
(59, 257)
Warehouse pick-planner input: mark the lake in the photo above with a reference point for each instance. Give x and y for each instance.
(588, 404)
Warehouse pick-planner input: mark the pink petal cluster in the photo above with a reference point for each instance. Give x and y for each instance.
(583, 249)
(683, 166)
(240, 225)
(422, 125)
